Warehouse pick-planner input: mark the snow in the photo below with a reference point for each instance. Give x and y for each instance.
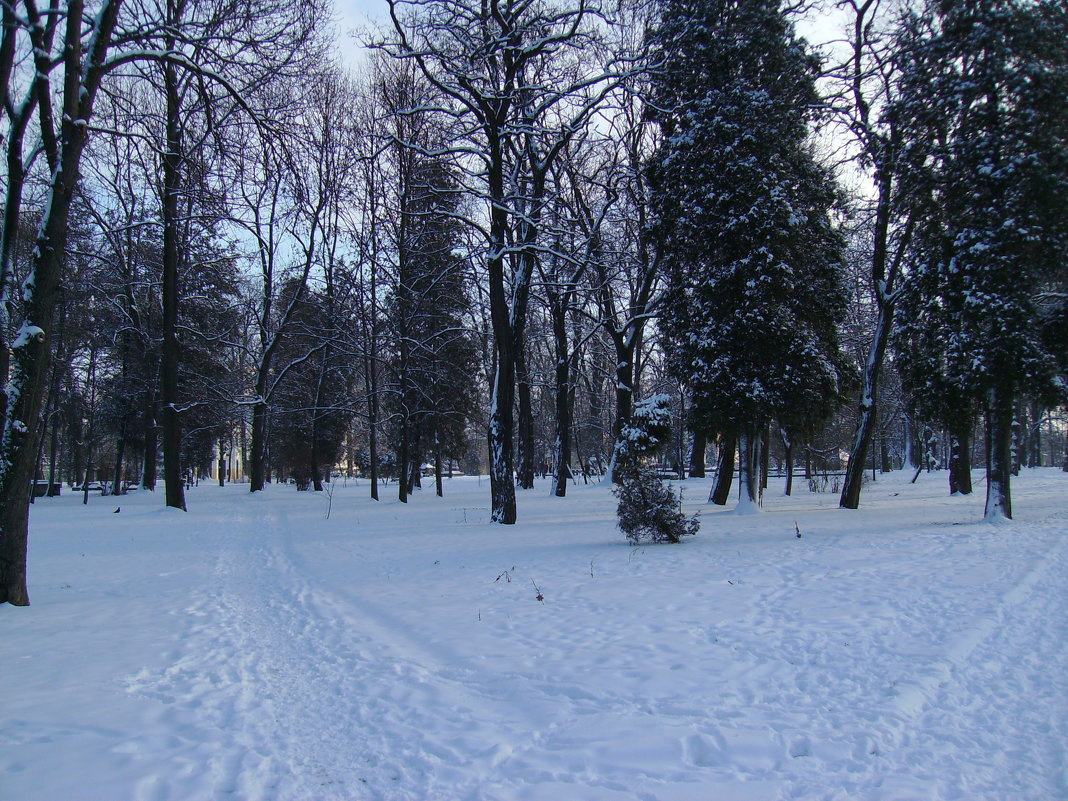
(254, 649)
(26, 334)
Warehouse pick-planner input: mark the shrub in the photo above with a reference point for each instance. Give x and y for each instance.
(648, 509)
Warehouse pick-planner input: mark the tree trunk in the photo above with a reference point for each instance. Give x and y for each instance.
(502, 485)
(1064, 464)
(53, 452)
(151, 454)
(999, 419)
(1034, 435)
(788, 459)
(624, 403)
(884, 455)
(222, 464)
(749, 493)
(171, 353)
(403, 460)
(960, 460)
(562, 389)
(868, 419)
(16, 180)
(120, 451)
(526, 421)
(728, 443)
(371, 386)
(697, 455)
(1018, 441)
(438, 488)
(257, 455)
(316, 472)
(765, 460)
(29, 354)
(415, 471)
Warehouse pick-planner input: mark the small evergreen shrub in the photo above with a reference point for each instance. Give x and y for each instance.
(648, 509)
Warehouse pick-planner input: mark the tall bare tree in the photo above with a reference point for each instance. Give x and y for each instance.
(521, 79)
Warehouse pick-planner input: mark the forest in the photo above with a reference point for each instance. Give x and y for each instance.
(225, 256)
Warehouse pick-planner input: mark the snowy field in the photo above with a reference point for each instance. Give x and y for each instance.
(254, 649)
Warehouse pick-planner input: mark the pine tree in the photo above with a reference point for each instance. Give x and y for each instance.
(743, 222)
(432, 396)
(648, 509)
(982, 104)
(313, 410)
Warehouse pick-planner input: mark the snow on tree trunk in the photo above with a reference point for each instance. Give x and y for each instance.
(525, 431)
(868, 419)
(502, 485)
(30, 350)
(749, 494)
(999, 417)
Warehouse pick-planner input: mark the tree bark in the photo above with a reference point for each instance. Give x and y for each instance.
(372, 433)
(999, 419)
(1034, 435)
(257, 455)
(120, 451)
(868, 418)
(151, 453)
(765, 460)
(788, 458)
(403, 463)
(439, 490)
(502, 400)
(502, 486)
(749, 492)
(624, 401)
(697, 455)
(728, 443)
(562, 389)
(171, 352)
(30, 352)
(525, 475)
(960, 461)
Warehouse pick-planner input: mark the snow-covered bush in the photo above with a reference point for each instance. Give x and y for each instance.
(648, 509)
(647, 431)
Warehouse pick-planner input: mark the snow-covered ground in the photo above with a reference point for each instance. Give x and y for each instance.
(254, 649)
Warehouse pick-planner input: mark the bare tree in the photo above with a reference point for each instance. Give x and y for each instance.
(521, 80)
(866, 79)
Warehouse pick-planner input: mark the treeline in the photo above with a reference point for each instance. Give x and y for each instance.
(223, 252)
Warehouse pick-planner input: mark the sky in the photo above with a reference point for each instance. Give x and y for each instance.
(352, 15)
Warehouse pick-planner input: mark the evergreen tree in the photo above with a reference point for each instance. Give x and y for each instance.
(983, 106)
(648, 509)
(312, 413)
(743, 222)
(431, 396)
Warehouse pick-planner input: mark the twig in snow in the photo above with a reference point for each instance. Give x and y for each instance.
(539, 596)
